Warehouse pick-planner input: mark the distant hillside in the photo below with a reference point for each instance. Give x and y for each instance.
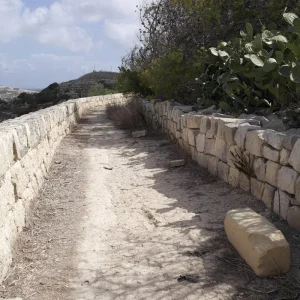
(8, 93)
(16, 102)
(83, 84)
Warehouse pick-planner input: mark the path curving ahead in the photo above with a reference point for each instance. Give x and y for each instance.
(113, 222)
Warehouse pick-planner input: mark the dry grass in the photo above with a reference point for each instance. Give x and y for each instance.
(243, 161)
(126, 116)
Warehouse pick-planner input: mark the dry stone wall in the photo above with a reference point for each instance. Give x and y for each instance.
(215, 141)
(27, 146)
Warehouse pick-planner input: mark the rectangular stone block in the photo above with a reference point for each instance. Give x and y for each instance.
(272, 172)
(194, 121)
(192, 134)
(286, 179)
(259, 168)
(282, 203)
(209, 147)
(223, 171)
(294, 160)
(245, 182)
(212, 132)
(268, 195)
(234, 177)
(200, 142)
(240, 135)
(274, 138)
(255, 142)
(205, 125)
(293, 217)
(257, 188)
(202, 161)
(212, 164)
(259, 242)
(271, 153)
(221, 149)
(284, 156)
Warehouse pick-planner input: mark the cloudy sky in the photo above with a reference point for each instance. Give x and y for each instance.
(43, 41)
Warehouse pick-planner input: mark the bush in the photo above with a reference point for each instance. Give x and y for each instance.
(99, 89)
(259, 69)
(130, 81)
(126, 116)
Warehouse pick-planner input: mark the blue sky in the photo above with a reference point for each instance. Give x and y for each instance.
(43, 41)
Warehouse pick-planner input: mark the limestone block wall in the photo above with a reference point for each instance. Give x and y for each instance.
(215, 141)
(27, 146)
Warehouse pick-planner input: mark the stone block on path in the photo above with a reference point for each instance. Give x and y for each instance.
(138, 134)
(259, 242)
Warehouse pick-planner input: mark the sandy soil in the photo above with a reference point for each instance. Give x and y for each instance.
(113, 222)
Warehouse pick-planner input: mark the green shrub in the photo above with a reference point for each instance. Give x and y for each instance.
(130, 81)
(259, 69)
(99, 89)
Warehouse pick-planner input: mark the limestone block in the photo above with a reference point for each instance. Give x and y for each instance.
(284, 156)
(230, 132)
(177, 163)
(184, 120)
(20, 178)
(212, 132)
(192, 134)
(259, 242)
(7, 195)
(200, 142)
(221, 149)
(178, 134)
(212, 164)
(20, 138)
(205, 125)
(185, 136)
(268, 195)
(194, 121)
(272, 172)
(221, 128)
(33, 131)
(209, 147)
(223, 171)
(293, 217)
(138, 134)
(201, 159)
(245, 182)
(255, 142)
(193, 152)
(294, 160)
(271, 153)
(282, 203)
(257, 188)
(241, 133)
(290, 140)
(297, 190)
(286, 179)
(19, 215)
(259, 168)
(6, 153)
(234, 177)
(274, 138)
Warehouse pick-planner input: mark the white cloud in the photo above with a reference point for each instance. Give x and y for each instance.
(61, 23)
(123, 33)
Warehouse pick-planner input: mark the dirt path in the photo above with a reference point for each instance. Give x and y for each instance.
(114, 223)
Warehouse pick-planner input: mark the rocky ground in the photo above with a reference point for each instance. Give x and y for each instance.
(114, 222)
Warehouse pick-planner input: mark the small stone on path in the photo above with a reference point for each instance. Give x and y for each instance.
(138, 134)
(177, 163)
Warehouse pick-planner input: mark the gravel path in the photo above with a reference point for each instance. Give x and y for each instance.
(115, 223)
